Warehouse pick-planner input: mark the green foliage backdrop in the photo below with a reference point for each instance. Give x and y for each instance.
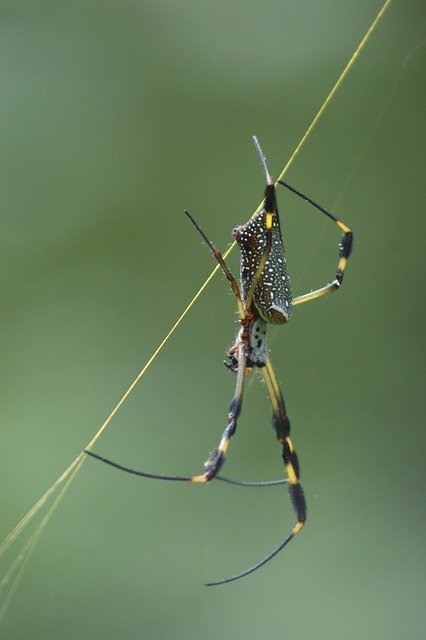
(115, 117)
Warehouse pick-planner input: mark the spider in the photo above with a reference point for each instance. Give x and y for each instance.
(263, 297)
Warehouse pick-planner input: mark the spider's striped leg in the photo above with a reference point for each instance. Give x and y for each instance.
(217, 458)
(345, 249)
(281, 425)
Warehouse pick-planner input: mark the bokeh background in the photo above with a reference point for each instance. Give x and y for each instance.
(115, 117)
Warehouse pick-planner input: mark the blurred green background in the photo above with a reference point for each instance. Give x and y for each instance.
(115, 117)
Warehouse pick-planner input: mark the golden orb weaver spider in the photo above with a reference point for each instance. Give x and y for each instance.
(263, 297)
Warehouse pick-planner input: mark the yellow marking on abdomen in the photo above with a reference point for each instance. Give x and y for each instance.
(268, 221)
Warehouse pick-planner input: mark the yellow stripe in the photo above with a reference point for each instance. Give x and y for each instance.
(223, 446)
(292, 478)
(343, 227)
(198, 479)
(297, 528)
(342, 264)
(268, 220)
(290, 444)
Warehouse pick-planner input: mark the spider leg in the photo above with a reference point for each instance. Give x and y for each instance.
(345, 248)
(218, 256)
(158, 476)
(281, 425)
(217, 458)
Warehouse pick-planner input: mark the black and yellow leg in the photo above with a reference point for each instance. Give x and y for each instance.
(345, 248)
(216, 460)
(281, 425)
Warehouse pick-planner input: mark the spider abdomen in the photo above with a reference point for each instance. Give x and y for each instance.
(273, 295)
